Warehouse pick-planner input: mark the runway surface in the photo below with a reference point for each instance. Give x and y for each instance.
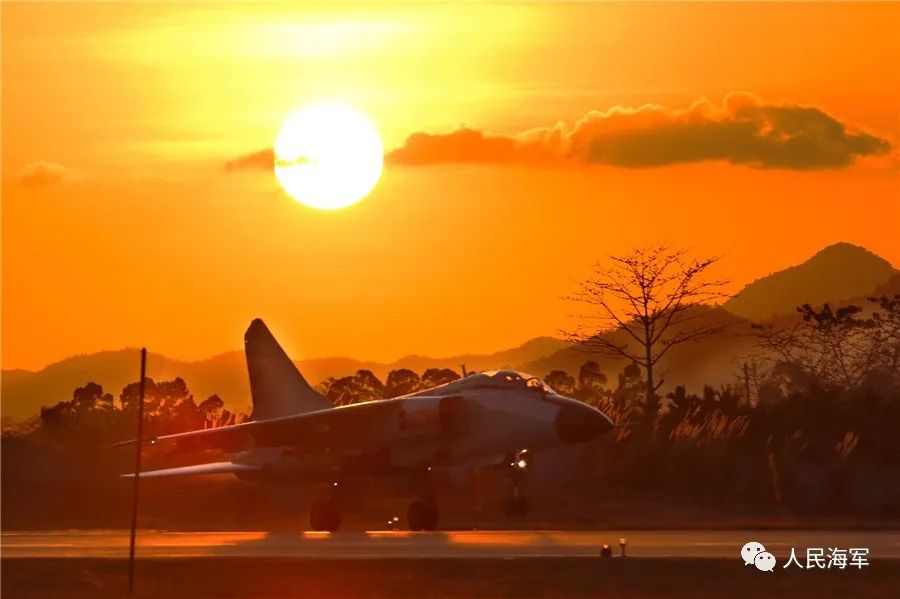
(463, 544)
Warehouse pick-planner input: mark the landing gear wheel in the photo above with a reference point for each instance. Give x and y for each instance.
(325, 516)
(422, 514)
(516, 505)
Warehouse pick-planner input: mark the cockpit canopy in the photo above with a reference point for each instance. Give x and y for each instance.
(495, 379)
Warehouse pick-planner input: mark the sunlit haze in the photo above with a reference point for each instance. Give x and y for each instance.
(140, 205)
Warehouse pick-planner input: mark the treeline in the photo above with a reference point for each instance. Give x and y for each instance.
(96, 417)
(365, 386)
(809, 423)
(93, 416)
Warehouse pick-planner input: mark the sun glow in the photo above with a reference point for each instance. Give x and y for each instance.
(328, 156)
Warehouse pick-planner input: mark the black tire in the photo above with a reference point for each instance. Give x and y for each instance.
(431, 516)
(317, 516)
(334, 519)
(422, 515)
(324, 516)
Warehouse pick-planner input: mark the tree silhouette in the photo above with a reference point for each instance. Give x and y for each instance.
(678, 406)
(432, 377)
(342, 391)
(628, 391)
(561, 382)
(590, 376)
(211, 404)
(169, 406)
(362, 386)
(368, 385)
(887, 323)
(644, 304)
(89, 411)
(91, 395)
(825, 347)
(212, 410)
(400, 382)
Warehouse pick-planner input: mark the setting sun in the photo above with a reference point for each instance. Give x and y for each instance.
(328, 156)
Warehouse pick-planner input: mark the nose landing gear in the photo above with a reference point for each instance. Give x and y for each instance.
(517, 504)
(422, 514)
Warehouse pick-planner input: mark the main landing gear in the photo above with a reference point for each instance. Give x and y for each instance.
(422, 514)
(326, 515)
(517, 505)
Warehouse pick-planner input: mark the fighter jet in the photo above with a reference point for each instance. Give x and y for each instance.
(497, 418)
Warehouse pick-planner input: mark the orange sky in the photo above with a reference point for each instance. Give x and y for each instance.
(121, 226)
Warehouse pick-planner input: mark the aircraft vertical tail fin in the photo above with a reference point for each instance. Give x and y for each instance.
(276, 386)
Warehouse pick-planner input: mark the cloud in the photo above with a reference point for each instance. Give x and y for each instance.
(262, 160)
(465, 145)
(743, 130)
(40, 174)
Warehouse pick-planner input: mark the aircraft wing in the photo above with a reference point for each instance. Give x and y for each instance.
(344, 427)
(212, 468)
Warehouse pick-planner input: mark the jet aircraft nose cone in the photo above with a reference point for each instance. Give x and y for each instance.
(577, 422)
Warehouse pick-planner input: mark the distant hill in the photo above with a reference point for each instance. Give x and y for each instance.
(889, 288)
(24, 392)
(839, 272)
(714, 360)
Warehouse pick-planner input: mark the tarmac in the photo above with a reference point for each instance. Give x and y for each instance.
(449, 544)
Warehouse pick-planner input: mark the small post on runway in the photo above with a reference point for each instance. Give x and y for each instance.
(137, 471)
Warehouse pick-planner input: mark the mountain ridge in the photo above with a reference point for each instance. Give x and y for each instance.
(838, 272)
(711, 361)
(223, 374)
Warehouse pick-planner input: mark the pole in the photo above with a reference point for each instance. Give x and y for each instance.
(137, 471)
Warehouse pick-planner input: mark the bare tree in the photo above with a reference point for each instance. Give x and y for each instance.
(887, 322)
(644, 304)
(836, 347)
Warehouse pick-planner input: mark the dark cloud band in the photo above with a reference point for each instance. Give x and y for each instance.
(41, 174)
(264, 159)
(744, 130)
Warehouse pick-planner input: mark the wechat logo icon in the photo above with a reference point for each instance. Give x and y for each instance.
(755, 554)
